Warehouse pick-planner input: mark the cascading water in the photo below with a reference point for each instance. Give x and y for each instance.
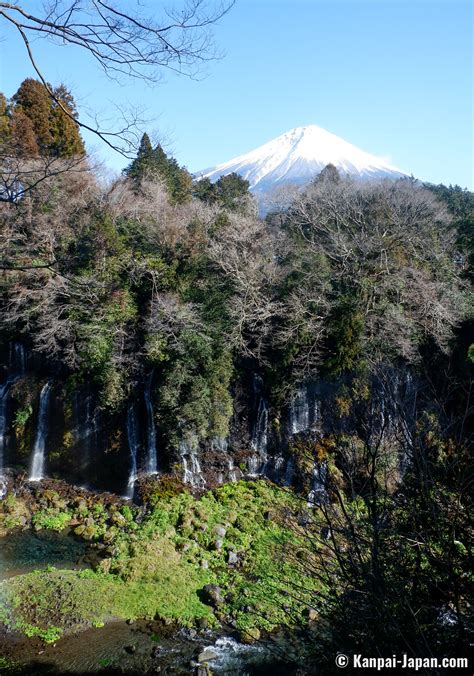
(192, 473)
(38, 459)
(132, 437)
(259, 440)
(18, 358)
(305, 410)
(232, 471)
(318, 493)
(151, 454)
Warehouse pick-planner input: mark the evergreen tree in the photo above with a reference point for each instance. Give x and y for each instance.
(230, 191)
(329, 174)
(4, 120)
(22, 135)
(142, 164)
(154, 164)
(68, 141)
(55, 132)
(33, 100)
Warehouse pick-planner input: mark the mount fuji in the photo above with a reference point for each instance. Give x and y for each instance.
(297, 156)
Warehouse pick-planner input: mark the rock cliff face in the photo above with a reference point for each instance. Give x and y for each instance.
(53, 426)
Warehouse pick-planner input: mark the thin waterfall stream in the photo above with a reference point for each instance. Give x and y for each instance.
(151, 453)
(132, 437)
(38, 459)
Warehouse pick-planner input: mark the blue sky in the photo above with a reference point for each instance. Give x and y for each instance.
(392, 77)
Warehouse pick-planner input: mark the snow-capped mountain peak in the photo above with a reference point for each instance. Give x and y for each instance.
(298, 156)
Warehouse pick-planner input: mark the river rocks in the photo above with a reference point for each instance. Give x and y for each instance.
(212, 595)
(207, 655)
(250, 635)
(310, 614)
(203, 670)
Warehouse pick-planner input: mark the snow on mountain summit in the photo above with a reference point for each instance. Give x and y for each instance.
(298, 156)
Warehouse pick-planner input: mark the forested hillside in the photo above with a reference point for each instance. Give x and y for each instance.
(157, 337)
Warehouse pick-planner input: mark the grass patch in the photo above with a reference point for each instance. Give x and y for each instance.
(236, 537)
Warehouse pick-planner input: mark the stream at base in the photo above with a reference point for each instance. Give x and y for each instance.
(141, 648)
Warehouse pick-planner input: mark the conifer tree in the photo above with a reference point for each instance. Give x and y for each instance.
(154, 164)
(142, 164)
(55, 133)
(4, 119)
(22, 135)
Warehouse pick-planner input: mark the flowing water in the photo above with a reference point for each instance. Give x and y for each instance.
(192, 473)
(259, 437)
(132, 437)
(146, 648)
(151, 453)
(305, 410)
(38, 460)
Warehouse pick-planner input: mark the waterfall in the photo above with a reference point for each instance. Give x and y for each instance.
(259, 438)
(318, 493)
(299, 412)
(253, 465)
(151, 455)
(18, 358)
(232, 470)
(4, 392)
(38, 459)
(132, 437)
(192, 473)
(304, 411)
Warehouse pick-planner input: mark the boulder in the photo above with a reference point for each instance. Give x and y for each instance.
(212, 595)
(220, 530)
(207, 655)
(310, 614)
(232, 558)
(250, 635)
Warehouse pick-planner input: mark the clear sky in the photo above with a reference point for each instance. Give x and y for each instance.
(393, 77)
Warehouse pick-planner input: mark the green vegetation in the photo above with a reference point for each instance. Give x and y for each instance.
(363, 288)
(233, 537)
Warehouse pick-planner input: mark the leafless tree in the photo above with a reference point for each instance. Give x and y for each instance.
(387, 545)
(390, 245)
(124, 41)
(244, 250)
(20, 175)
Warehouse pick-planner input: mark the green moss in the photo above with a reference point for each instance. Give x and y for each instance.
(155, 566)
(51, 519)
